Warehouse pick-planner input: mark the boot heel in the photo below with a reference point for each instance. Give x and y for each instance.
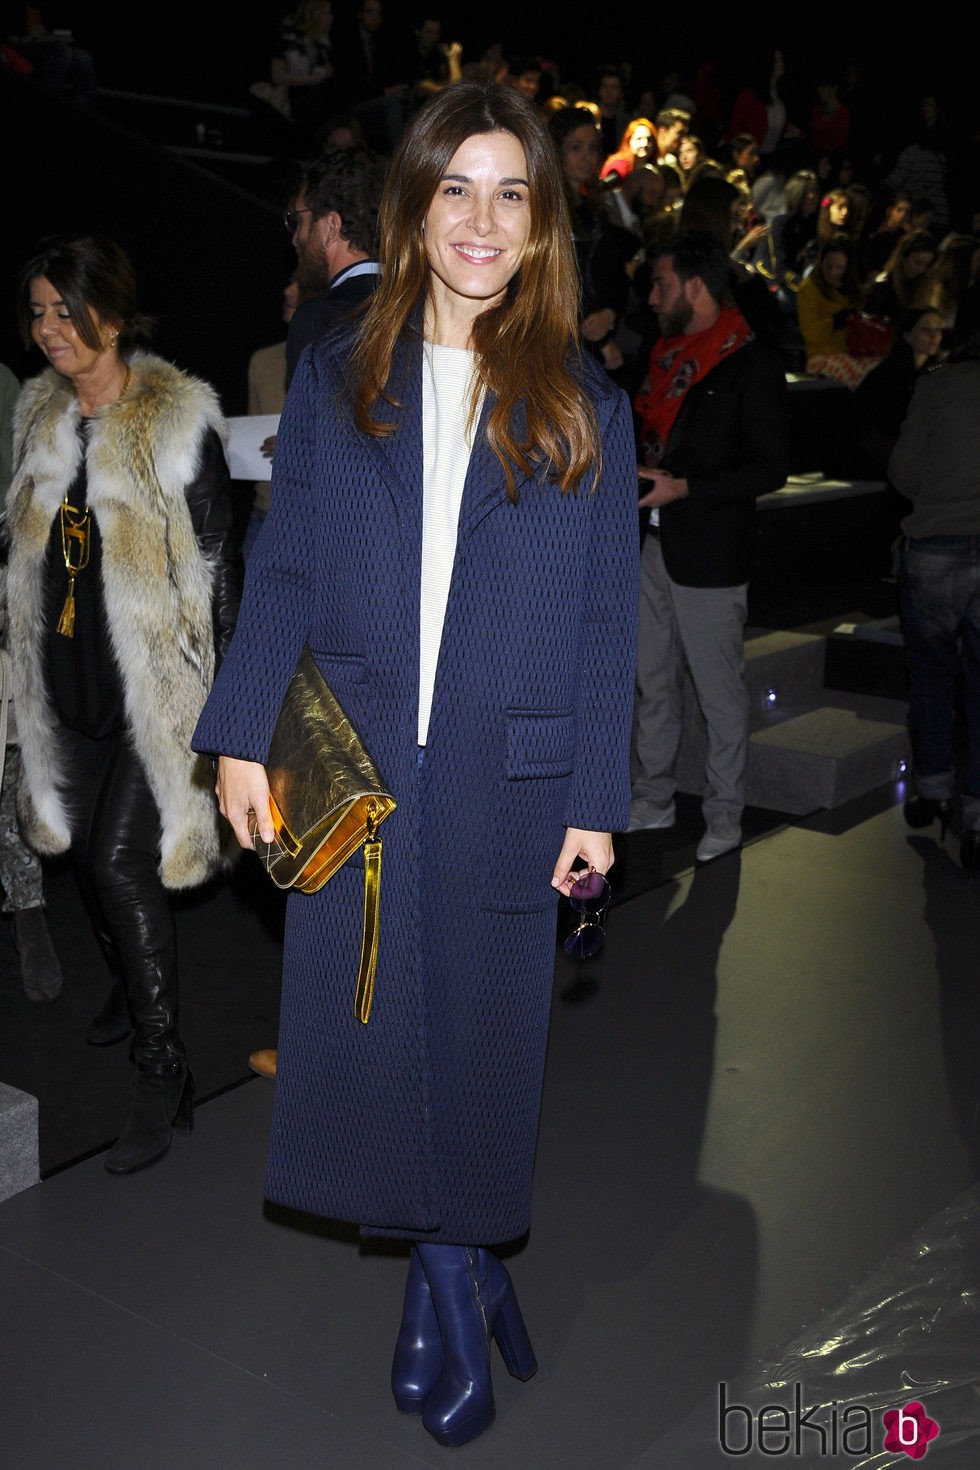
(512, 1339)
(506, 1322)
(945, 812)
(184, 1116)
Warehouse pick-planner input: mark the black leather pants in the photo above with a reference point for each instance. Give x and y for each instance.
(116, 852)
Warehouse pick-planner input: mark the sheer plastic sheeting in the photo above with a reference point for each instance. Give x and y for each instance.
(909, 1334)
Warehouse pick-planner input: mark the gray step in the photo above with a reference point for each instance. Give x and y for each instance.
(810, 747)
(790, 665)
(822, 759)
(18, 1141)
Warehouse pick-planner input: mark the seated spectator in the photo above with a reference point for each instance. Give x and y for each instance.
(922, 215)
(769, 184)
(717, 207)
(610, 98)
(893, 289)
(340, 130)
(859, 202)
(825, 303)
(634, 148)
(948, 279)
(833, 216)
(692, 157)
(637, 197)
(371, 76)
(490, 66)
(743, 161)
(669, 127)
(603, 249)
(49, 53)
(886, 233)
(921, 167)
(759, 109)
(524, 75)
(671, 89)
(829, 129)
(434, 62)
(300, 84)
(881, 401)
(794, 233)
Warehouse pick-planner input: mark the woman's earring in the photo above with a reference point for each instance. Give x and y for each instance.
(113, 339)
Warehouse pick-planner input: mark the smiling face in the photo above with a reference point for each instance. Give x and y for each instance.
(476, 231)
(54, 332)
(641, 141)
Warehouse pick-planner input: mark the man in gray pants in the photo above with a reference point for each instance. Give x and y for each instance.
(713, 428)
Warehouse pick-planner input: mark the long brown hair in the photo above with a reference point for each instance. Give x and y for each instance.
(526, 347)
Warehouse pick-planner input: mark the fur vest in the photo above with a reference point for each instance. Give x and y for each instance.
(143, 452)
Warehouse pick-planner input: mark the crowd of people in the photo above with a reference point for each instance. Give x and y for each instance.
(534, 379)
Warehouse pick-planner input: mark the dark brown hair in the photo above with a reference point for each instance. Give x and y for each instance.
(90, 273)
(526, 346)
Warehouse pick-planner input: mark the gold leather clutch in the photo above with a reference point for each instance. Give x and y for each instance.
(327, 798)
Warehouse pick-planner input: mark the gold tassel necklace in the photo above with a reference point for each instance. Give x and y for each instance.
(76, 541)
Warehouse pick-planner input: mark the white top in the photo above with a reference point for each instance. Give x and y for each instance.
(447, 440)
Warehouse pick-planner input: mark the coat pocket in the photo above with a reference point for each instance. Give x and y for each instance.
(525, 828)
(539, 744)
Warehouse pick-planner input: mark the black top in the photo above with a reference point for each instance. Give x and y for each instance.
(83, 676)
(82, 673)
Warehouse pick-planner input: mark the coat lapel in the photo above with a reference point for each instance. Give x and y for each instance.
(398, 456)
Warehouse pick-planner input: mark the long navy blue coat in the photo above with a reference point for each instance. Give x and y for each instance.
(423, 1122)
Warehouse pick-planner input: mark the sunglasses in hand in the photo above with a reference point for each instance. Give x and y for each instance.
(589, 899)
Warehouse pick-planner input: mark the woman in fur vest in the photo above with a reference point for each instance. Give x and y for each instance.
(123, 590)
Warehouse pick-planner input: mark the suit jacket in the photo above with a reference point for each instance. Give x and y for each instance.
(424, 1121)
(318, 315)
(731, 442)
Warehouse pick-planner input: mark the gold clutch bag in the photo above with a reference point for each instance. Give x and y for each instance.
(327, 798)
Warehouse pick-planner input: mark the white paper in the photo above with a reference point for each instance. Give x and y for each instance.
(246, 436)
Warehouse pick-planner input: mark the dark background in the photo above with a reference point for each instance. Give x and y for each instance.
(211, 254)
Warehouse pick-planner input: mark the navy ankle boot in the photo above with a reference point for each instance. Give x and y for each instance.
(474, 1301)
(418, 1357)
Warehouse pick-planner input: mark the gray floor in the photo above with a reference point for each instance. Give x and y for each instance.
(761, 1092)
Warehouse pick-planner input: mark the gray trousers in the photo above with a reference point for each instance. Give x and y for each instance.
(700, 628)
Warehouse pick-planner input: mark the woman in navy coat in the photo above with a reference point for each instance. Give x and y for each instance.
(453, 533)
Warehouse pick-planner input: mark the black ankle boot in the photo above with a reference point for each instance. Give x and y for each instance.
(112, 1024)
(39, 967)
(163, 1099)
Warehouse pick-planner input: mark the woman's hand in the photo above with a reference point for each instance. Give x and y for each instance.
(243, 788)
(595, 848)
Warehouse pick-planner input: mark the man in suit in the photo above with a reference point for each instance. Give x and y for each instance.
(334, 225)
(713, 430)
